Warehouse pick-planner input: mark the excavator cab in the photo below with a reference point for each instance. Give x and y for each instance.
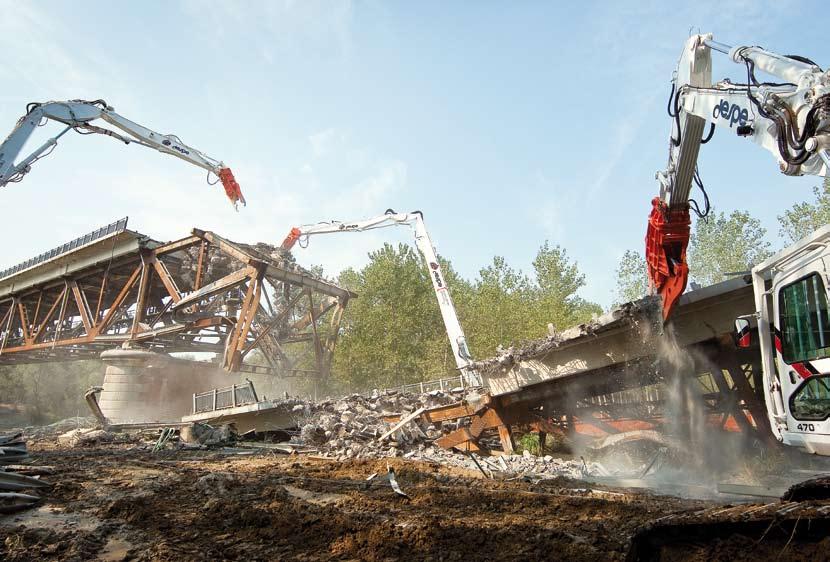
(797, 346)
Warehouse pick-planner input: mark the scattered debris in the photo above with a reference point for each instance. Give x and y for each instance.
(207, 435)
(12, 502)
(402, 423)
(215, 483)
(166, 435)
(80, 437)
(13, 450)
(11, 481)
(60, 427)
(394, 482)
(389, 424)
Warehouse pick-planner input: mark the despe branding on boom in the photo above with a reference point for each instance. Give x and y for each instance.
(732, 113)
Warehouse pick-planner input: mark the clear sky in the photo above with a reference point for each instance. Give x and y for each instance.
(505, 123)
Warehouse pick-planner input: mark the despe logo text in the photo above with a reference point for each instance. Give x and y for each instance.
(175, 147)
(435, 273)
(732, 113)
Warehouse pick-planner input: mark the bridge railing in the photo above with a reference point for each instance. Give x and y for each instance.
(112, 228)
(222, 398)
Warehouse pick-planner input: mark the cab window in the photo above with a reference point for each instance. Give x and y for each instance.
(811, 402)
(804, 320)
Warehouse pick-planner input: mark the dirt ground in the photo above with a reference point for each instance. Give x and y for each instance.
(113, 502)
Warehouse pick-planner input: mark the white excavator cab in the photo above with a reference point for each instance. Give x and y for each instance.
(795, 341)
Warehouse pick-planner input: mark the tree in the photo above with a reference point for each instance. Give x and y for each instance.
(49, 391)
(557, 281)
(632, 278)
(723, 244)
(497, 309)
(803, 218)
(393, 332)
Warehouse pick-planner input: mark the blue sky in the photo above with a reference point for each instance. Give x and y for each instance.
(505, 123)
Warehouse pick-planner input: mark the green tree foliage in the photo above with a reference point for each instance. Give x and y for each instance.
(497, 308)
(722, 244)
(632, 278)
(803, 218)
(557, 281)
(48, 391)
(394, 334)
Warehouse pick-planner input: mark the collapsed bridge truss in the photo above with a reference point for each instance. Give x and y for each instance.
(252, 306)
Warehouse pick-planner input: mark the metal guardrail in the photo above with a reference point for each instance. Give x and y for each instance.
(112, 228)
(222, 398)
(444, 384)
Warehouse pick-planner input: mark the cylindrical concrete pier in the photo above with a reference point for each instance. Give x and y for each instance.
(145, 387)
(127, 382)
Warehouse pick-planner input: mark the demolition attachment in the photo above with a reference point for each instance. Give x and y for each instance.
(666, 240)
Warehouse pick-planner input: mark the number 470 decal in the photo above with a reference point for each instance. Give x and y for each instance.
(805, 427)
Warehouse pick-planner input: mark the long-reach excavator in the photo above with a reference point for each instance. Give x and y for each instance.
(789, 118)
(414, 220)
(78, 116)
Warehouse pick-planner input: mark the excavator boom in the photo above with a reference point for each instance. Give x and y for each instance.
(78, 115)
(790, 119)
(415, 220)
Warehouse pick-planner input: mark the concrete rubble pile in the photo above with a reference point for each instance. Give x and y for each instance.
(357, 426)
(351, 427)
(60, 427)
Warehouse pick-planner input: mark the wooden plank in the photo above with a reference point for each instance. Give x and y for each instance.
(402, 423)
(454, 438)
(486, 420)
(454, 411)
(506, 437)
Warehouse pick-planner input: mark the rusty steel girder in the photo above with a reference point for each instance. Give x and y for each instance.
(252, 306)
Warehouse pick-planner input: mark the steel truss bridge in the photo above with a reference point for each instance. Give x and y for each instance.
(252, 306)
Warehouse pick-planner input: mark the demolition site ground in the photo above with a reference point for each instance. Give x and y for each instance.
(121, 502)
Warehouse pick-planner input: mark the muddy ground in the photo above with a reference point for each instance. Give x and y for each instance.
(117, 502)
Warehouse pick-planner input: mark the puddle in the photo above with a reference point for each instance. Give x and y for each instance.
(317, 498)
(48, 516)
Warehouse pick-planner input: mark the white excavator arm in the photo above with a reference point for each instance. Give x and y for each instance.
(790, 118)
(78, 115)
(414, 220)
